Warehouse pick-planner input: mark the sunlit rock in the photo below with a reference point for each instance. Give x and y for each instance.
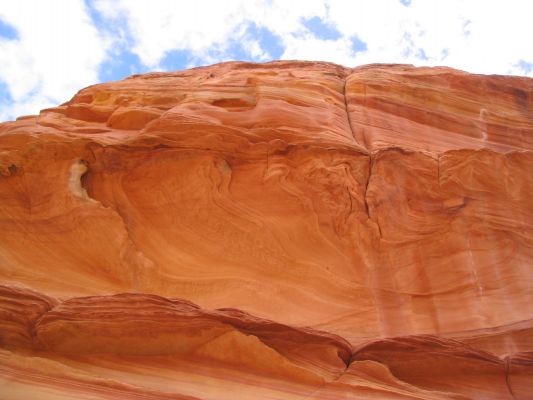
(290, 230)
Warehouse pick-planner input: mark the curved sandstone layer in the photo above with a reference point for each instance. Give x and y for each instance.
(283, 230)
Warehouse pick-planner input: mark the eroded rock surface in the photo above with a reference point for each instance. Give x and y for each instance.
(290, 230)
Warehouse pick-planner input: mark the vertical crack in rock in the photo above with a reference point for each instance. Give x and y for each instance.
(370, 214)
(351, 201)
(367, 209)
(507, 363)
(357, 134)
(346, 109)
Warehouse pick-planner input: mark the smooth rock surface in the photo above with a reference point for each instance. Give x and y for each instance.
(289, 230)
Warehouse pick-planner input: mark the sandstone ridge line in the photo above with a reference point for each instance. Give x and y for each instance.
(287, 230)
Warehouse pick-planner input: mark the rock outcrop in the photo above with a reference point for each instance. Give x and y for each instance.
(290, 230)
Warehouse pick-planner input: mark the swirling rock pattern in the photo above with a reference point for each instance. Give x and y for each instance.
(289, 230)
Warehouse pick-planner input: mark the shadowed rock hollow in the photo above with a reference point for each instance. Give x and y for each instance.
(290, 230)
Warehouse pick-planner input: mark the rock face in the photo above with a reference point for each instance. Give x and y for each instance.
(290, 230)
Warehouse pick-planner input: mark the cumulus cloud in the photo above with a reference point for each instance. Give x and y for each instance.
(475, 35)
(55, 51)
(204, 27)
(61, 46)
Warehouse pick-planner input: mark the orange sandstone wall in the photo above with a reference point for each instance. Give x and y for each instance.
(290, 230)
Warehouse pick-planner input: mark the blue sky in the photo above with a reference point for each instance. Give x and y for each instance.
(51, 49)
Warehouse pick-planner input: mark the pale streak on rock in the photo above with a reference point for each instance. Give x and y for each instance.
(77, 170)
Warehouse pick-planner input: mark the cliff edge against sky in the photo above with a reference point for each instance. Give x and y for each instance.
(289, 230)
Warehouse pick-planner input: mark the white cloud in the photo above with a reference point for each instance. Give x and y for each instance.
(476, 35)
(57, 52)
(60, 50)
(203, 25)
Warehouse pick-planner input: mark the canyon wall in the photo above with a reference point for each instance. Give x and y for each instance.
(289, 230)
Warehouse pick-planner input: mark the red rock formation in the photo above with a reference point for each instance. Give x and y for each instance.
(289, 230)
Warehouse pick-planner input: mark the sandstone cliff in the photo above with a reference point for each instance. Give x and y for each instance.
(290, 230)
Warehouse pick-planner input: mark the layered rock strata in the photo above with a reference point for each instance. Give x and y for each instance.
(290, 230)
